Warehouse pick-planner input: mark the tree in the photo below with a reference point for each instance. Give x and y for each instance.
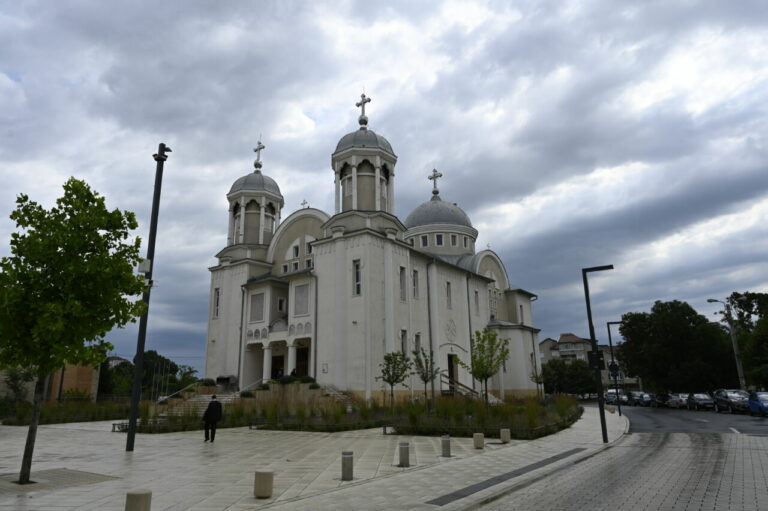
(394, 370)
(487, 355)
(425, 369)
(580, 379)
(554, 375)
(750, 312)
(16, 382)
(66, 284)
(673, 348)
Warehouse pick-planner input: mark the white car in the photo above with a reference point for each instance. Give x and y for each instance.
(677, 400)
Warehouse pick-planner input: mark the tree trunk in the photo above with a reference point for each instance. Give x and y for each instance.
(426, 399)
(29, 447)
(485, 384)
(392, 398)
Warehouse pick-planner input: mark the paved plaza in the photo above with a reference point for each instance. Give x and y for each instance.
(85, 466)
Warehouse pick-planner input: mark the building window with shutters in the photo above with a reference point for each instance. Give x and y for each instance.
(257, 307)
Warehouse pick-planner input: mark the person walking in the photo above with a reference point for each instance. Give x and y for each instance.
(211, 416)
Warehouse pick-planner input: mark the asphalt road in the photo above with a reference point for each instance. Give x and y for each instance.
(671, 459)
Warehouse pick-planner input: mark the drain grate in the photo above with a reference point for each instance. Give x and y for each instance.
(50, 479)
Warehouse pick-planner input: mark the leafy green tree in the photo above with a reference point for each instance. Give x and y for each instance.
(553, 373)
(673, 348)
(65, 285)
(488, 353)
(750, 311)
(579, 378)
(394, 370)
(16, 380)
(425, 369)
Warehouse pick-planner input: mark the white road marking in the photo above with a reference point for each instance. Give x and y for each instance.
(735, 431)
(701, 420)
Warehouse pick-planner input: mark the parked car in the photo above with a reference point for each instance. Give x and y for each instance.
(758, 403)
(635, 398)
(677, 400)
(731, 400)
(610, 398)
(624, 399)
(660, 400)
(700, 401)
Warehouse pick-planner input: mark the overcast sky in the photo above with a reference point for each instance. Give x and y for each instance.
(574, 134)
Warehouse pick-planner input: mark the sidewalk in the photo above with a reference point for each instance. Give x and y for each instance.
(85, 466)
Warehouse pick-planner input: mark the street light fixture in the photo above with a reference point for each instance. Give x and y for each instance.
(595, 355)
(614, 366)
(732, 329)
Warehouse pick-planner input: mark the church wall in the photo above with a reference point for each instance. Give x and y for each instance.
(252, 218)
(295, 233)
(366, 187)
(223, 343)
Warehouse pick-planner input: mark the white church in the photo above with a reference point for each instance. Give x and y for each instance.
(328, 295)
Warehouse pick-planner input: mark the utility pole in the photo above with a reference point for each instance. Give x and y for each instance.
(138, 360)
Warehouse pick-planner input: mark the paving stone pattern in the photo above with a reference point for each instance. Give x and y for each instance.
(184, 473)
(651, 471)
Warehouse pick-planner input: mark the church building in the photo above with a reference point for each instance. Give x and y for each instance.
(328, 295)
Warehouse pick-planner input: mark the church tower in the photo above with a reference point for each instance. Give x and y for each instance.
(364, 168)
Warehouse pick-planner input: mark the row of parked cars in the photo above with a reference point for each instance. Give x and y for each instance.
(722, 400)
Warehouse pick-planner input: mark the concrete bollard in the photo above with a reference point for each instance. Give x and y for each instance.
(445, 441)
(263, 481)
(346, 465)
(505, 436)
(404, 455)
(479, 439)
(138, 500)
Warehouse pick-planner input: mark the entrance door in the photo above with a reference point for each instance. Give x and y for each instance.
(278, 369)
(453, 370)
(302, 361)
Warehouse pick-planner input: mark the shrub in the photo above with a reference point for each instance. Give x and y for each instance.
(247, 393)
(284, 380)
(263, 386)
(207, 382)
(75, 395)
(314, 385)
(307, 379)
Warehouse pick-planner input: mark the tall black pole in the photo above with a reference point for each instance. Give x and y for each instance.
(138, 360)
(615, 373)
(595, 355)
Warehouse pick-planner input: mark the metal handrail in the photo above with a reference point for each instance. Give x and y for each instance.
(253, 384)
(444, 378)
(194, 384)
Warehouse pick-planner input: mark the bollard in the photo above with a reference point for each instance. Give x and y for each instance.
(445, 440)
(479, 439)
(138, 500)
(505, 436)
(263, 481)
(404, 458)
(346, 465)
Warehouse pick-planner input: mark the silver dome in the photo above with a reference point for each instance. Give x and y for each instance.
(437, 211)
(364, 138)
(256, 181)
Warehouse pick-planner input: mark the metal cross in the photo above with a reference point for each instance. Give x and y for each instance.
(363, 100)
(433, 177)
(304, 203)
(257, 150)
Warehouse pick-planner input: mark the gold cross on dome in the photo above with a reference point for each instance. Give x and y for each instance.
(363, 100)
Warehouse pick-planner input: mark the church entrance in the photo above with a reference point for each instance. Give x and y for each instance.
(278, 367)
(453, 371)
(302, 362)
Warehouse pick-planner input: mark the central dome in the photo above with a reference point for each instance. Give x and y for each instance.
(437, 211)
(364, 137)
(256, 182)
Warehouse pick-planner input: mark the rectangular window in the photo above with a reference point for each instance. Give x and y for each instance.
(347, 183)
(309, 248)
(257, 307)
(295, 266)
(301, 300)
(477, 302)
(417, 343)
(309, 263)
(296, 251)
(439, 240)
(454, 240)
(415, 284)
(465, 242)
(285, 268)
(522, 318)
(281, 305)
(404, 341)
(403, 289)
(448, 294)
(216, 298)
(357, 278)
(425, 240)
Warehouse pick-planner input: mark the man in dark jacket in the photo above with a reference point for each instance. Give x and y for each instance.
(211, 416)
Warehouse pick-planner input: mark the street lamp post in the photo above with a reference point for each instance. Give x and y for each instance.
(614, 365)
(736, 353)
(595, 351)
(138, 360)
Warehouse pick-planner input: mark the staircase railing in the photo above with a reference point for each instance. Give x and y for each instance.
(191, 385)
(253, 384)
(464, 390)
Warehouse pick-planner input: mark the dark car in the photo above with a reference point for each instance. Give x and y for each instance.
(660, 400)
(635, 398)
(758, 403)
(731, 400)
(700, 401)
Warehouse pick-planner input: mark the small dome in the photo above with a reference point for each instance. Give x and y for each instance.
(364, 137)
(256, 182)
(437, 211)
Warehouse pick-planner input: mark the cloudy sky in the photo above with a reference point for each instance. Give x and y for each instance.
(574, 134)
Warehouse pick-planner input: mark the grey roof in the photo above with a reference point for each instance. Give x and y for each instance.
(364, 137)
(437, 211)
(256, 181)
